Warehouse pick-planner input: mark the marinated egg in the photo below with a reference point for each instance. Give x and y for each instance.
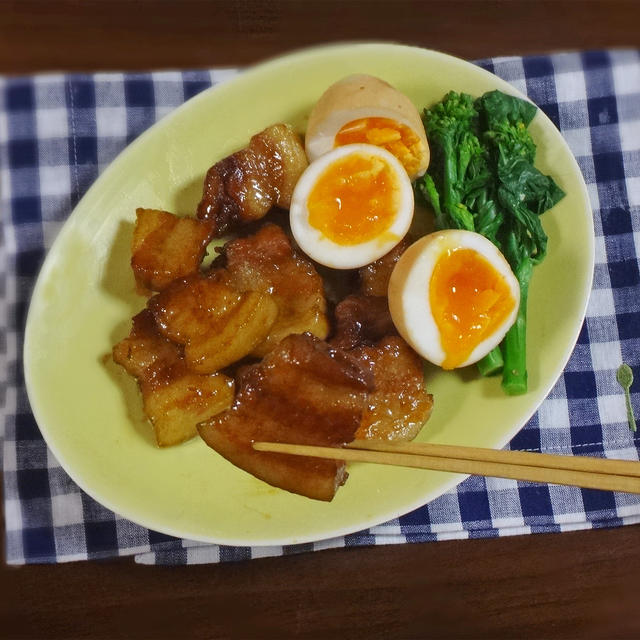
(453, 297)
(351, 206)
(364, 109)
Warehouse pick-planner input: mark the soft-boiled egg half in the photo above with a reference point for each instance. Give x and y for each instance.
(453, 297)
(351, 206)
(364, 109)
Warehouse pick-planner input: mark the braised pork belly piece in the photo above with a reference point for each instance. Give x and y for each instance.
(302, 392)
(174, 399)
(166, 247)
(176, 408)
(399, 406)
(217, 324)
(145, 353)
(374, 277)
(243, 187)
(266, 263)
(361, 320)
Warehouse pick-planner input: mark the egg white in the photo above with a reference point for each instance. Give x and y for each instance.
(408, 292)
(361, 96)
(338, 256)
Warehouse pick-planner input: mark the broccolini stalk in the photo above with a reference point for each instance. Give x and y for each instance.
(514, 373)
(430, 192)
(524, 193)
(492, 364)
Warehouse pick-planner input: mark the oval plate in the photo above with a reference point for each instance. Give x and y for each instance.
(89, 410)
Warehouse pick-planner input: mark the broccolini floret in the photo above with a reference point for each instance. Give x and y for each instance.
(457, 156)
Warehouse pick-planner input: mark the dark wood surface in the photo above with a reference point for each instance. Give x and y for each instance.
(569, 585)
(145, 34)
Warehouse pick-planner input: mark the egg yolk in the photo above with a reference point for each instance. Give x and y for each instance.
(393, 136)
(469, 300)
(354, 200)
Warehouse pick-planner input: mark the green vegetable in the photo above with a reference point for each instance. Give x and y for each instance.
(498, 108)
(482, 178)
(460, 163)
(624, 375)
(492, 364)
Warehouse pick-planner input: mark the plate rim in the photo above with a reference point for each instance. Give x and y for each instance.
(242, 77)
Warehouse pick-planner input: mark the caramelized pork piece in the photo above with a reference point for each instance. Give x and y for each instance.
(374, 277)
(176, 408)
(400, 405)
(166, 247)
(361, 320)
(217, 324)
(364, 318)
(244, 186)
(265, 262)
(302, 392)
(174, 399)
(145, 353)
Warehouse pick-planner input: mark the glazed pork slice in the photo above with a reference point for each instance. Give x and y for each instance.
(399, 406)
(166, 247)
(174, 399)
(244, 186)
(361, 320)
(177, 407)
(217, 324)
(303, 392)
(374, 277)
(144, 353)
(265, 262)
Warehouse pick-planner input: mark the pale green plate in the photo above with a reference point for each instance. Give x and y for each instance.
(89, 411)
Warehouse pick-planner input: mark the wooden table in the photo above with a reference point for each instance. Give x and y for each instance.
(566, 585)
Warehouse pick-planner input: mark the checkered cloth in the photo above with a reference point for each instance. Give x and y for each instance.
(58, 132)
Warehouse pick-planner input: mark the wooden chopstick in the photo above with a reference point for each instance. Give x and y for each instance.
(590, 473)
(571, 463)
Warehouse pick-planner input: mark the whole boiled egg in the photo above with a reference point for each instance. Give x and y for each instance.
(453, 297)
(351, 206)
(364, 109)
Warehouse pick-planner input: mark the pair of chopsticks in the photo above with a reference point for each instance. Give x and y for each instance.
(579, 471)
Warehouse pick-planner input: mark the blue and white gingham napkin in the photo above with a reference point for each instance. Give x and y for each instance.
(57, 132)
